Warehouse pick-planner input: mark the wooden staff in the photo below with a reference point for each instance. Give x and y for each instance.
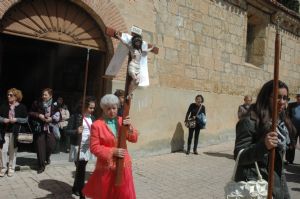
(124, 131)
(83, 97)
(275, 110)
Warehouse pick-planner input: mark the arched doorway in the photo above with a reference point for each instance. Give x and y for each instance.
(44, 44)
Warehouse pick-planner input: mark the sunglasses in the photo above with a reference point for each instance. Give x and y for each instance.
(10, 95)
(282, 97)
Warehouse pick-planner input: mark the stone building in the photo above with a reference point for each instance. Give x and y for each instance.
(222, 49)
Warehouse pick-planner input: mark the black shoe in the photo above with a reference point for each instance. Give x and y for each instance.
(187, 152)
(286, 163)
(47, 162)
(196, 153)
(41, 170)
(76, 193)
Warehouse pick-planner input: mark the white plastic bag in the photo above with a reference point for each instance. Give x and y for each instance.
(246, 190)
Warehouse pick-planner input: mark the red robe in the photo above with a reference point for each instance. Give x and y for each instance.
(101, 184)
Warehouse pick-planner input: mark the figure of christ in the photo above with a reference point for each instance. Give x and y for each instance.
(136, 52)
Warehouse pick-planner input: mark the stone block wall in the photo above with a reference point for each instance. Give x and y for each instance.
(202, 51)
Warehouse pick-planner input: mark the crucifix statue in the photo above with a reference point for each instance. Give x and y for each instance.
(137, 75)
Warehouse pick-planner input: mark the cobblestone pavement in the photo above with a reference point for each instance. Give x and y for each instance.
(166, 176)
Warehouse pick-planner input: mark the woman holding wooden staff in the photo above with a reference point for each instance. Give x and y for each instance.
(254, 135)
(104, 134)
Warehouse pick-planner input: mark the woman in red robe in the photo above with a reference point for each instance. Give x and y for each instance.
(103, 144)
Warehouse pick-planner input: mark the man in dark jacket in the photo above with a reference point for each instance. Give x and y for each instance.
(294, 113)
(243, 110)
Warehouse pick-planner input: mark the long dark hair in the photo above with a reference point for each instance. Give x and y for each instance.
(87, 102)
(263, 108)
(137, 38)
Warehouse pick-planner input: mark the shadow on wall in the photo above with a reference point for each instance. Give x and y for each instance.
(177, 142)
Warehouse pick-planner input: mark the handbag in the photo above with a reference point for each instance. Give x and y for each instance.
(25, 137)
(36, 126)
(55, 130)
(201, 120)
(254, 189)
(191, 122)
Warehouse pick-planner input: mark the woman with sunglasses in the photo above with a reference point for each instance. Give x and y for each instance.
(254, 136)
(81, 125)
(13, 116)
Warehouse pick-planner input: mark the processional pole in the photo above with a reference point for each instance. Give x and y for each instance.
(275, 108)
(84, 96)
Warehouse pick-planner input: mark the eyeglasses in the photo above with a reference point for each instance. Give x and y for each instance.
(282, 97)
(10, 95)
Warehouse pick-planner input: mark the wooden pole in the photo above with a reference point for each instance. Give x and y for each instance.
(275, 111)
(84, 97)
(123, 132)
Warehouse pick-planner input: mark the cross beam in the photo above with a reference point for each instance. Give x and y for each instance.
(124, 129)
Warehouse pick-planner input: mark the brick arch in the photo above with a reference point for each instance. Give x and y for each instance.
(105, 12)
(6, 5)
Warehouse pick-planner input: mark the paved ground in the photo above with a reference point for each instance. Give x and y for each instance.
(165, 176)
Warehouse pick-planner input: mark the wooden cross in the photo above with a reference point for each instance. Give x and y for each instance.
(124, 129)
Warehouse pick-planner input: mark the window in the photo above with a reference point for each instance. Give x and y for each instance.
(256, 41)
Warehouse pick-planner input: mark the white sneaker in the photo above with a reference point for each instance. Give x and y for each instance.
(2, 172)
(10, 172)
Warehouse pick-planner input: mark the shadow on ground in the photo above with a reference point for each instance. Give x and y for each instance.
(219, 154)
(56, 188)
(295, 189)
(87, 174)
(293, 174)
(26, 161)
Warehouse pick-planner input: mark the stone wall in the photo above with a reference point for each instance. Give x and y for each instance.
(202, 51)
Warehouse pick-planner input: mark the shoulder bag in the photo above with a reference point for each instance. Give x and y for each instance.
(201, 119)
(191, 122)
(25, 137)
(254, 189)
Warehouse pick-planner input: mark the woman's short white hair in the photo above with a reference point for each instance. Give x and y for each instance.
(109, 100)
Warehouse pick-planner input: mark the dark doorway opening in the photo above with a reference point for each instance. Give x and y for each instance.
(31, 65)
